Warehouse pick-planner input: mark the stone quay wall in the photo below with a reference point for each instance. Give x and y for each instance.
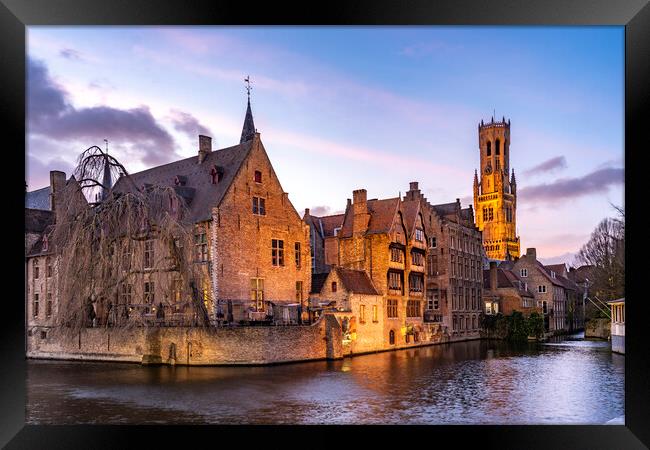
(193, 346)
(598, 328)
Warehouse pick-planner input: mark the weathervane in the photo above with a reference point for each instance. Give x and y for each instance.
(248, 86)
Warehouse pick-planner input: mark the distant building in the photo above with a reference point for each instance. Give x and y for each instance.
(495, 195)
(573, 295)
(618, 325)
(505, 292)
(322, 236)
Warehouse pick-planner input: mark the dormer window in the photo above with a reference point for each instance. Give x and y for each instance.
(180, 180)
(552, 274)
(258, 176)
(45, 243)
(336, 231)
(216, 173)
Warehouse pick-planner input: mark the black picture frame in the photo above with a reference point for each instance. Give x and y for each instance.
(15, 15)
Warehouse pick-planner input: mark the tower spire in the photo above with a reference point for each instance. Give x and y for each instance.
(248, 131)
(107, 181)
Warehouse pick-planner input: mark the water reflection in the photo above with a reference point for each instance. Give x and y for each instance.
(564, 381)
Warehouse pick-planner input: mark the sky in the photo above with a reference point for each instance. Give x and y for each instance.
(344, 108)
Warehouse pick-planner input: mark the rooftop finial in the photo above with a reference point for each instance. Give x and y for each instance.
(106, 141)
(247, 80)
(248, 131)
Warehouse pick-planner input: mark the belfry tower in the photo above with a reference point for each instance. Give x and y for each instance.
(495, 195)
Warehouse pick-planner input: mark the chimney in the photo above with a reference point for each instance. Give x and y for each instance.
(205, 147)
(413, 190)
(57, 184)
(360, 210)
(306, 213)
(360, 201)
(493, 276)
(531, 253)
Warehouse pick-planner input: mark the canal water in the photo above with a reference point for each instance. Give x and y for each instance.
(566, 381)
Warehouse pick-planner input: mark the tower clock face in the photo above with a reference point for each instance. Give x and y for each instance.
(488, 170)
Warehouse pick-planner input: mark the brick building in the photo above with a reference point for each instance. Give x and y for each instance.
(573, 295)
(250, 245)
(454, 274)
(42, 208)
(358, 306)
(558, 295)
(323, 240)
(505, 292)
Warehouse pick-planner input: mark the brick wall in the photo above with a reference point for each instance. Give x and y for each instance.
(192, 346)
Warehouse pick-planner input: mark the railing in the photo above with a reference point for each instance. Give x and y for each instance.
(602, 306)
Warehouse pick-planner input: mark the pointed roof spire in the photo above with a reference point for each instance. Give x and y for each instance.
(512, 179)
(475, 177)
(107, 181)
(248, 131)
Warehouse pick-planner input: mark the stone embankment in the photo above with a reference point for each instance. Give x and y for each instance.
(598, 328)
(193, 345)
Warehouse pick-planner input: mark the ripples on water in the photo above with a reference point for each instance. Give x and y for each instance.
(566, 381)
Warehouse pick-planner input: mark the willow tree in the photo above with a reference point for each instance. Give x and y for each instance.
(97, 244)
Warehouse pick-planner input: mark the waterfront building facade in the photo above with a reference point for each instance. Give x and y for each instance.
(495, 195)
(251, 246)
(454, 273)
(323, 240)
(617, 308)
(505, 292)
(555, 292)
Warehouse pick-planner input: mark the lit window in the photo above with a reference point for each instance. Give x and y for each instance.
(375, 313)
(299, 291)
(362, 313)
(257, 293)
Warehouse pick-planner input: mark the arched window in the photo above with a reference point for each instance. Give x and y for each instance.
(489, 148)
(391, 337)
(497, 147)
